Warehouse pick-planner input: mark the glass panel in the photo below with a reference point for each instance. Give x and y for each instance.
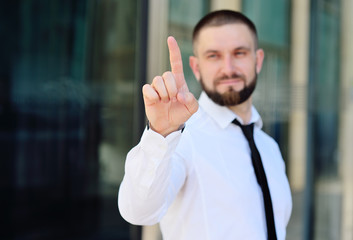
(68, 97)
(272, 20)
(326, 87)
(325, 104)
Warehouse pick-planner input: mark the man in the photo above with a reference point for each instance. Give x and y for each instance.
(194, 170)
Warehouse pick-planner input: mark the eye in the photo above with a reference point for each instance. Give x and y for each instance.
(240, 53)
(212, 56)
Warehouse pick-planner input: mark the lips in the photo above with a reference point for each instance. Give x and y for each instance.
(229, 81)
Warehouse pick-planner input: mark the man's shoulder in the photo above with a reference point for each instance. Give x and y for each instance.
(266, 136)
(267, 140)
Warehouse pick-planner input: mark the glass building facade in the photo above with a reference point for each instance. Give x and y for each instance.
(71, 73)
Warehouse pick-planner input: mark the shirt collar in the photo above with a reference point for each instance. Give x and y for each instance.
(222, 115)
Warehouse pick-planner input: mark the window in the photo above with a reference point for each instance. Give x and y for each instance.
(69, 108)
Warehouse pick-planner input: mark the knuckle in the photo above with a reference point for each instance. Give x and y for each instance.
(167, 75)
(157, 80)
(169, 79)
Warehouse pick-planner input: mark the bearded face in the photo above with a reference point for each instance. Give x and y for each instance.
(226, 63)
(230, 97)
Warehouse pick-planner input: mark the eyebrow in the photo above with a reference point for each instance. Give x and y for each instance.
(210, 51)
(236, 49)
(242, 48)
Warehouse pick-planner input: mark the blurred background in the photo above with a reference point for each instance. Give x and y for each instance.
(71, 73)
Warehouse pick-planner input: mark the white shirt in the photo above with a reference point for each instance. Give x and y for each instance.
(200, 184)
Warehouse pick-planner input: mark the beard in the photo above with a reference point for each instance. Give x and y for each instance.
(231, 97)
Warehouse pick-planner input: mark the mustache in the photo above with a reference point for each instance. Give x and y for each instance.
(224, 77)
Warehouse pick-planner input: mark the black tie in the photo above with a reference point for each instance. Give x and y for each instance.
(248, 131)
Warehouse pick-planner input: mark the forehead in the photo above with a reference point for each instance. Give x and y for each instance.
(227, 36)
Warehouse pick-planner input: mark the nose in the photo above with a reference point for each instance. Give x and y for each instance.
(228, 66)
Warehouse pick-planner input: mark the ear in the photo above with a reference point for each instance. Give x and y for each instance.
(260, 55)
(194, 65)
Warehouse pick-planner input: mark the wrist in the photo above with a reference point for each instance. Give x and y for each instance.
(167, 131)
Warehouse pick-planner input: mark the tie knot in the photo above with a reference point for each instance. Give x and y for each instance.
(248, 130)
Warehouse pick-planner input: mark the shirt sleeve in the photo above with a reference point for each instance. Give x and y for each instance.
(153, 176)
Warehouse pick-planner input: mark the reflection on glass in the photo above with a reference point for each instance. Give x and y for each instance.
(325, 109)
(68, 76)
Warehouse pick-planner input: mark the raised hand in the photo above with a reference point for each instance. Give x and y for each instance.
(168, 102)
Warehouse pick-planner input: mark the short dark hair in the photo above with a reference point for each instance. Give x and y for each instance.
(223, 17)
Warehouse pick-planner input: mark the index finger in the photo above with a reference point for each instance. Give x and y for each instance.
(176, 62)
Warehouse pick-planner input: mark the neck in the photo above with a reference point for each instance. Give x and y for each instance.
(243, 110)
